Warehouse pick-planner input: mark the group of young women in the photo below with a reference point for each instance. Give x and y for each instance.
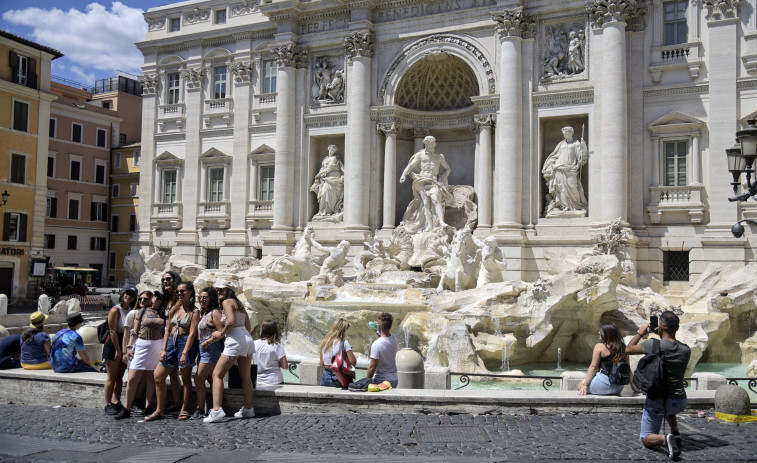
(167, 334)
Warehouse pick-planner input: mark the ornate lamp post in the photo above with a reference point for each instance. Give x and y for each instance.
(5, 197)
(741, 159)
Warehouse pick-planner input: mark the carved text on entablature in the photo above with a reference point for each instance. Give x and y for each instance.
(324, 25)
(400, 11)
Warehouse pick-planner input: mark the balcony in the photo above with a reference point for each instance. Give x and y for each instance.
(259, 211)
(673, 57)
(676, 204)
(213, 214)
(171, 114)
(166, 215)
(264, 103)
(218, 108)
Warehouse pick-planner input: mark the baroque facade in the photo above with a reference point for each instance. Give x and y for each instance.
(243, 101)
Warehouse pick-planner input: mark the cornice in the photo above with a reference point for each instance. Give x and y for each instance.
(170, 136)
(563, 98)
(674, 91)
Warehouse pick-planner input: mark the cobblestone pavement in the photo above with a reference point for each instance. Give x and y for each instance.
(33, 433)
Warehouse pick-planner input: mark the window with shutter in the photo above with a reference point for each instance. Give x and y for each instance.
(18, 168)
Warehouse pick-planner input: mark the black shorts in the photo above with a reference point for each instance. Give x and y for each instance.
(109, 350)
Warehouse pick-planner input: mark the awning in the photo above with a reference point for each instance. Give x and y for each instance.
(75, 269)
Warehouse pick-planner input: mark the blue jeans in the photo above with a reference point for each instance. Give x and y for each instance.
(175, 348)
(600, 385)
(82, 367)
(329, 379)
(212, 353)
(655, 410)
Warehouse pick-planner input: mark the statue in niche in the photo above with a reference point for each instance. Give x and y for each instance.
(302, 264)
(562, 171)
(329, 187)
(429, 171)
(328, 82)
(565, 52)
(576, 52)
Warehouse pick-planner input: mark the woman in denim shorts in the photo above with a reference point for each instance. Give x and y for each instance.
(210, 348)
(179, 350)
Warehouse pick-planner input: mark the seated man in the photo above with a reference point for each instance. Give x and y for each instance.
(10, 352)
(383, 366)
(67, 343)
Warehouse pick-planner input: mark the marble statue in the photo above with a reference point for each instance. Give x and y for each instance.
(329, 187)
(336, 259)
(562, 171)
(335, 88)
(328, 82)
(564, 54)
(461, 257)
(575, 52)
(302, 264)
(491, 263)
(429, 171)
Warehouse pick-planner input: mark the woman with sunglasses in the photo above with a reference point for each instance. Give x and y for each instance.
(143, 348)
(210, 348)
(238, 348)
(179, 349)
(113, 352)
(169, 282)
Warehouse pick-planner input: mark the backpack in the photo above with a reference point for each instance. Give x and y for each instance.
(103, 333)
(620, 374)
(649, 376)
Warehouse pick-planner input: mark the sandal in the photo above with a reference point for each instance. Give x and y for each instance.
(184, 415)
(154, 417)
(385, 385)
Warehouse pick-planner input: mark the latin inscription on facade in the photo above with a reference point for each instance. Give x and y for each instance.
(429, 8)
(325, 25)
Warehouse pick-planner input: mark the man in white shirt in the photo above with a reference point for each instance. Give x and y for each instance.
(383, 366)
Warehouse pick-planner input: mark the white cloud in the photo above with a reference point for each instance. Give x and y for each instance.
(82, 75)
(96, 38)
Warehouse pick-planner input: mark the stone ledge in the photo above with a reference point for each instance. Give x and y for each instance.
(44, 387)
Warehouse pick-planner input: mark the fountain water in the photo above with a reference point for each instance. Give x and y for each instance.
(559, 360)
(506, 357)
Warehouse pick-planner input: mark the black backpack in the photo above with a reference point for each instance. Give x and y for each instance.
(620, 374)
(649, 376)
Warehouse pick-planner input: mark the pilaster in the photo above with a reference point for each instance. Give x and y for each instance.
(390, 174)
(484, 124)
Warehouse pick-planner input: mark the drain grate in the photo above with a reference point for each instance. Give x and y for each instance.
(431, 434)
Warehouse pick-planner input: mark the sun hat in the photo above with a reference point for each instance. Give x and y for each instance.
(74, 318)
(37, 319)
(130, 289)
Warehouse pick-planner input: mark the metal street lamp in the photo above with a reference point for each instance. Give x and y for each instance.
(741, 160)
(5, 197)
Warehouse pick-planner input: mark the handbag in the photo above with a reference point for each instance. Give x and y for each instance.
(342, 368)
(103, 333)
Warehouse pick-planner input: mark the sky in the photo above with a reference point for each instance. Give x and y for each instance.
(96, 37)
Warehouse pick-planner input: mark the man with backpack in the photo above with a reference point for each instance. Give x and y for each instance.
(660, 374)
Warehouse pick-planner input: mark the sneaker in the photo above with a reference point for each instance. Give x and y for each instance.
(673, 450)
(679, 441)
(245, 413)
(123, 413)
(110, 409)
(119, 406)
(197, 415)
(214, 415)
(137, 410)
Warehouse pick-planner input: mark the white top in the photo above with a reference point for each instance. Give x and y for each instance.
(130, 317)
(267, 358)
(385, 351)
(329, 354)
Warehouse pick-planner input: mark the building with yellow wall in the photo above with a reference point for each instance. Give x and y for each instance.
(124, 190)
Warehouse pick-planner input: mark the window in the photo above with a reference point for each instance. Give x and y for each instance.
(116, 192)
(121, 138)
(23, 70)
(266, 183)
(98, 211)
(169, 186)
(18, 168)
(215, 179)
(269, 76)
(49, 241)
(212, 258)
(51, 166)
(75, 171)
(114, 223)
(76, 132)
(219, 82)
(53, 127)
(133, 189)
(97, 243)
(14, 227)
(220, 16)
(112, 260)
(675, 22)
(106, 104)
(20, 116)
(675, 265)
(173, 88)
(73, 209)
(132, 223)
(71, 242)
(116, 160)
(175, 25)
(100, 174)
(135, 159)
(101, 138)
(675, 163)
(51, 208)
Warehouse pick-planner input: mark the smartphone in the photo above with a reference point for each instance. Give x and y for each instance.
(653, 323)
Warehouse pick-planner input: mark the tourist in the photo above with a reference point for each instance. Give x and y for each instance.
(67, 343)
(238, 348)
(169, 282)
(113, 351)
(210, 348)
(269, 355)
(673, 401)
(144, 300)
(35, 344)
(607, 352)
(179, 350)
(10, 352)
(383, 366)
(330, 347)
(143, 349)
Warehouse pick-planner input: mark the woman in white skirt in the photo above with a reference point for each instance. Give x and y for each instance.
(238, 348)
(144, 349)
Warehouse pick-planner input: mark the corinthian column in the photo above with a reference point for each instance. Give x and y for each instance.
(283, 199)
(357, 169)
(484, 124)
(512, 27)
(390, 174)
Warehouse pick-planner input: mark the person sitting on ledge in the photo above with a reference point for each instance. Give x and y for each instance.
(607, 352)
(67, 343)
(383, 366)
(35, 344)
(10, 350)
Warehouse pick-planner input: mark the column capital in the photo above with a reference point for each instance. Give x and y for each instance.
(193, 77)
(717, 10)
(386, 128)
(631, 12)
(420, 132)
(242, 71)
(288, 54)
(150, 83)
(359, 44)
(483, 120)
(515, 22)
(301, 58)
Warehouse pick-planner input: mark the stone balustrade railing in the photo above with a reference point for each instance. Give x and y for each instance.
(266, 99)
(219, 105)
(171, 110)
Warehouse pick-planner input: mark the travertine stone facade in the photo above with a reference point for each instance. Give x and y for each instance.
(242, 100)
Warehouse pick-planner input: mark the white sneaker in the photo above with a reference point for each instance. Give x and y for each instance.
(245, 413)
(214, 415)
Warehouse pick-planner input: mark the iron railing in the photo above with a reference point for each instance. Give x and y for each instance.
(465, 378)
(751, 384)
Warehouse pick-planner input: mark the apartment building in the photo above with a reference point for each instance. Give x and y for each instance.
(124, 194)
